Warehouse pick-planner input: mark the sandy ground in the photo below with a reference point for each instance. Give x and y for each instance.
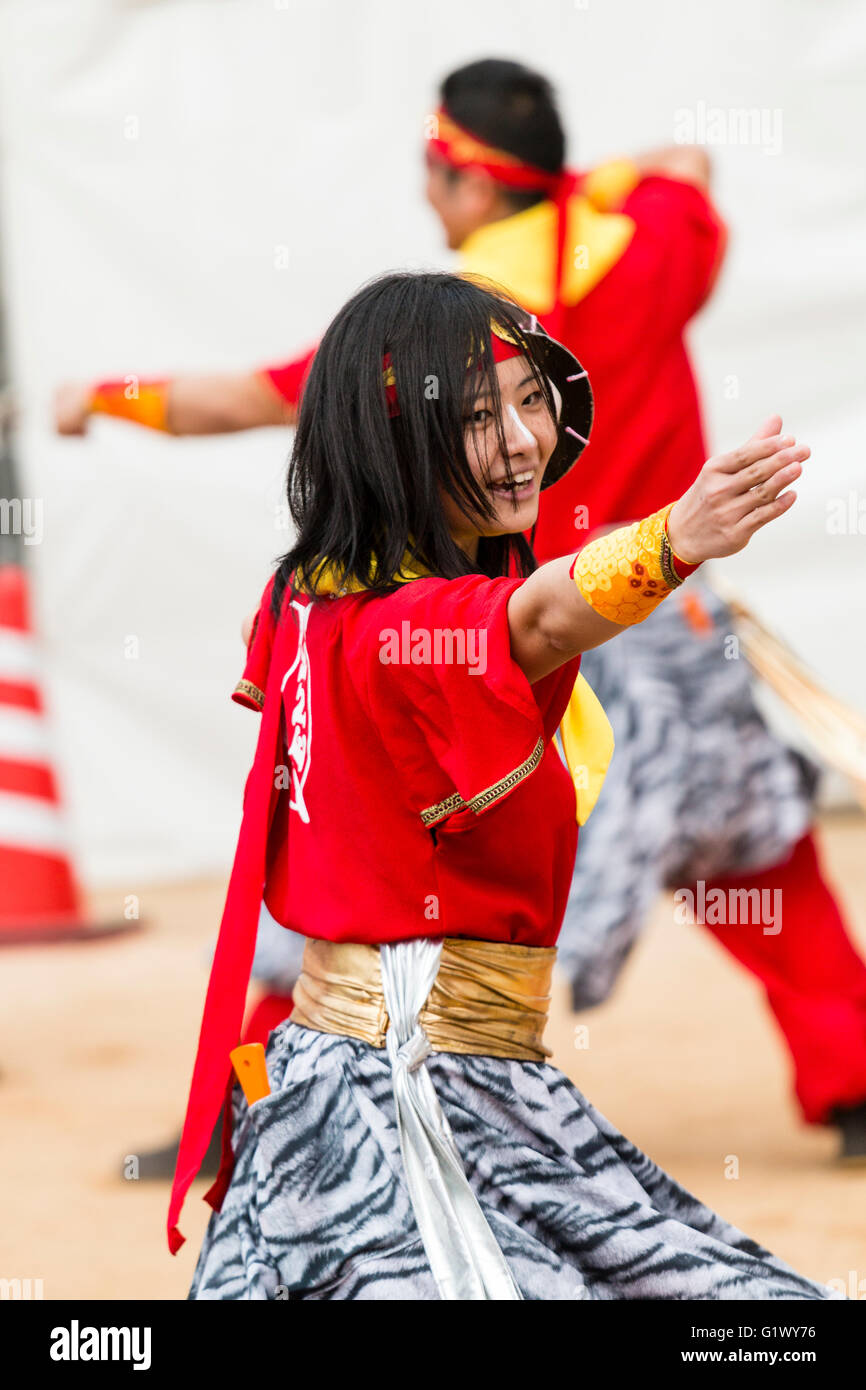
(97, 1047)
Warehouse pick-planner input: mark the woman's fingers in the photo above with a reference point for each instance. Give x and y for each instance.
(772, 425)
(761, 515)
(737, 493)
(769, 500)
(752, 452)
(761, 482)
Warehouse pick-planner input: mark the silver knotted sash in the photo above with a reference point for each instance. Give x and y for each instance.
(464, 1256)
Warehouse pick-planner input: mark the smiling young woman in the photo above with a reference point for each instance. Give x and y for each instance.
(406, 1137)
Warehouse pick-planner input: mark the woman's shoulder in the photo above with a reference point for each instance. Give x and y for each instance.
(471, 598)
(433, 637)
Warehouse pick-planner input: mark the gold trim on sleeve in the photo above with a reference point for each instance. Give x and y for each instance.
(433, 814)
(251, 691)
(482, 800)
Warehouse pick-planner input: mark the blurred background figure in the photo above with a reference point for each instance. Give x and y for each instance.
(616, 261)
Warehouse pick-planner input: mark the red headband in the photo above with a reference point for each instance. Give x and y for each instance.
(501, 351)
(450, 143)
(462, 150)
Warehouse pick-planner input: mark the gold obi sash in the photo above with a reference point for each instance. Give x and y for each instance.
(488, 998)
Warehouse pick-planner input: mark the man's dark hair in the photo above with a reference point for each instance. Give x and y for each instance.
(365, 489)
(511, 107)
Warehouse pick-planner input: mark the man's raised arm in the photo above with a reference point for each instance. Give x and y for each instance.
(219, 403)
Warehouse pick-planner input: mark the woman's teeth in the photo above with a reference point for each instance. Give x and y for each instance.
(518, 481)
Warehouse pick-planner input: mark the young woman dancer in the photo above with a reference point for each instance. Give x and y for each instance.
(409, 814)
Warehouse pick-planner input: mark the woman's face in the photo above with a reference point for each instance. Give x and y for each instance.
(530, 438)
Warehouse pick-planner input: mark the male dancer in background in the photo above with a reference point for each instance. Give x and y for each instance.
(700, 795)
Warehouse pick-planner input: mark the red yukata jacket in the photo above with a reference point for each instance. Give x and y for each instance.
(404, 785)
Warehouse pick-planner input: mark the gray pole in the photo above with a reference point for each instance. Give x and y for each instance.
(11, 545)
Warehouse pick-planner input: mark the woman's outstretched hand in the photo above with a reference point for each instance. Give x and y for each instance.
(735, 494)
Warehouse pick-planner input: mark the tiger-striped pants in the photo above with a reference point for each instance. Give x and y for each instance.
(318, 1206)
(698, 786)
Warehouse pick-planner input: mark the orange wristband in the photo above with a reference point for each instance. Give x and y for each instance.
(140, 402)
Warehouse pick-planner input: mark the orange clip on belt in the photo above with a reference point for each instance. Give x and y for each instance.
(249, 1064)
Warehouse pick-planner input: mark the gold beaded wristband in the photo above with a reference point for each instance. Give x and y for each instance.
(625, 575)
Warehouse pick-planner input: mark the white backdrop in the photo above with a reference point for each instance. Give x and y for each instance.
(193, 184)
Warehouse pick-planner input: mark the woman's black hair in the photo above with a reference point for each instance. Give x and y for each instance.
(366, 489)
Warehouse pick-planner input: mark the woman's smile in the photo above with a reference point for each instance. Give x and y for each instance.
(522, 487)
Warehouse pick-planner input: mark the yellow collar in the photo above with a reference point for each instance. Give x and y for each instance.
(328, 579)
(587, 741)
(519, 252)
(587, 737)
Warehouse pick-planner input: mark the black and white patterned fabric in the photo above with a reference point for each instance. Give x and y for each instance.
(698, 786)
(279, 954)
(318, 1206)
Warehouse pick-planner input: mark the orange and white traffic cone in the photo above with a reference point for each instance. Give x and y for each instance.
(39, 897)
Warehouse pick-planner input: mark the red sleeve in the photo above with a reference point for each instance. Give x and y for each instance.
(250, 689)
(288, 378)
(456, 711)
(680, 240)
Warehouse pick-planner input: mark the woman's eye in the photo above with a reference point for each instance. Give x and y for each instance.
(534, 398)
(478, 417)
